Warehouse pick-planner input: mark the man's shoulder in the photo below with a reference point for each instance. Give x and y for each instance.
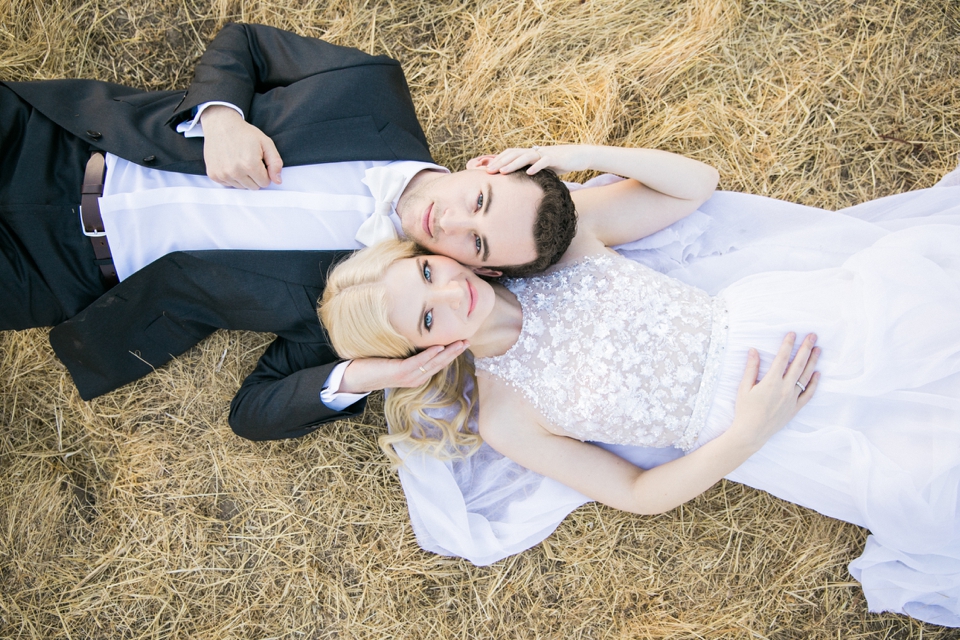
(307, 268)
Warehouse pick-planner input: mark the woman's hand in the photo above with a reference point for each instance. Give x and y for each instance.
(561, 159)
(364, 375)
(765, 407)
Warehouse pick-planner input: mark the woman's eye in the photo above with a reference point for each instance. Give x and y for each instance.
(428, 320)
(426, 271)
(479, 202)
(478, 244)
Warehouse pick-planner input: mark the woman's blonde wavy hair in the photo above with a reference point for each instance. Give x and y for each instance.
(354, 310)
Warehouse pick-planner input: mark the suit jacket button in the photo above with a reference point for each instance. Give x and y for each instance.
(93, 134)
(150, 158)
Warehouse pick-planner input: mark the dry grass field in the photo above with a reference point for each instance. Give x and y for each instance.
(141, 515)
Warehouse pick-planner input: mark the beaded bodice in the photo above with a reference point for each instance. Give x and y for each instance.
(615, 352)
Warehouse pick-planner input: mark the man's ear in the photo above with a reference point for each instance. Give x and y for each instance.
(479, 162)
(487, 272)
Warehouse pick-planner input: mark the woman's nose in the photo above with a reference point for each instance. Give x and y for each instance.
(451, 294)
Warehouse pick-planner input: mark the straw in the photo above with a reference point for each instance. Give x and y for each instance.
(141, 515)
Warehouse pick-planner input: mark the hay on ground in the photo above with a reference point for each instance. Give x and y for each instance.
(141, 515)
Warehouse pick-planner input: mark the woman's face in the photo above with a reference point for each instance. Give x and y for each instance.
(436, 300)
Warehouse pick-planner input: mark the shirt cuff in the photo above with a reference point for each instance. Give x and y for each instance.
(194, 128)
(333, 399)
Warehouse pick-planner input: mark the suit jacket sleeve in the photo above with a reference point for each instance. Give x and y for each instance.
(281, 398)
(246, 59)
(176, 301)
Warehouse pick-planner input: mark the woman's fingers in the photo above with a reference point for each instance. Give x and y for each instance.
(808, 371)
(542, 163)
(518, 163)
(510, 160)
(795, 371)
(751, 371)
(811, 388)
(782, 360)
(428, 362)
(798, 372)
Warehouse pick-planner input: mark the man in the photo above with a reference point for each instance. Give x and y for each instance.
(263, 98)
(343, 123)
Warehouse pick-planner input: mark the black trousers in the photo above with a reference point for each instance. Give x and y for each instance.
(48, 271)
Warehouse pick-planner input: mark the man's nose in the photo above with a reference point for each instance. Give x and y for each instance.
(452, 222)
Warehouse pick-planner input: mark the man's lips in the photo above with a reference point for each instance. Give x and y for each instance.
(425, 221)
(473, 298)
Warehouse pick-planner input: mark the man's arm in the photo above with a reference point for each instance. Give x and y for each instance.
(246, 59)
(661, 187)
(236, 153)
(281, 397)
(241, 61)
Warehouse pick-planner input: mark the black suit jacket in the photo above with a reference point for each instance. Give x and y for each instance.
(319, 103)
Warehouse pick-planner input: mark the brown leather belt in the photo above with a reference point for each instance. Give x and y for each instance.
(90, 220)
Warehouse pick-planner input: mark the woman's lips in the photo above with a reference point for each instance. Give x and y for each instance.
(425, 221)
(473, 298)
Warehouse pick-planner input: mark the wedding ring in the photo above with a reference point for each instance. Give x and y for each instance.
(424, 371)
(802, 387)
(537, 149)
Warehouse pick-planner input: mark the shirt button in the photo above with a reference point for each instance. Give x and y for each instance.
(150, 158)
(93, 134)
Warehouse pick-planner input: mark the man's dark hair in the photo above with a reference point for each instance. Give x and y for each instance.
(555, 226)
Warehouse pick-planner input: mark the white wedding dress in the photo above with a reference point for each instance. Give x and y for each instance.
(879, 444)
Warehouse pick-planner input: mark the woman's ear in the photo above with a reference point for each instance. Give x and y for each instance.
(479, 162)
(487, 272)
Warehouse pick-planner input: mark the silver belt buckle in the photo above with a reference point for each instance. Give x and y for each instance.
(83, 228)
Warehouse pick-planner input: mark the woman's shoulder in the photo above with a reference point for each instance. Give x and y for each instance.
(584, 246)
(506, 416)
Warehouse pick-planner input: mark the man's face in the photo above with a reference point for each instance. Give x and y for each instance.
(474, 217)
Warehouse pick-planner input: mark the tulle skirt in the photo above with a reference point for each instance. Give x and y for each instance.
(879, 444)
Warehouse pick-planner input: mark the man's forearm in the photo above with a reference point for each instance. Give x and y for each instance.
(281, 396)
(246, 58)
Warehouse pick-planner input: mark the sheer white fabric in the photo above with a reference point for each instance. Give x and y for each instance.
(878, 446)
(614, 351)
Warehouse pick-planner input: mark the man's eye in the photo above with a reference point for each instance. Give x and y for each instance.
(428, 320)
(478, 244)
(426, 271)
(479, 202)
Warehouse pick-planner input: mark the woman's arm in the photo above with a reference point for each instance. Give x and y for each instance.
(512, 426)
(661, 188)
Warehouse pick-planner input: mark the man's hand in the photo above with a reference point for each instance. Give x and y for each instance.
(370, 374)
(237, 154)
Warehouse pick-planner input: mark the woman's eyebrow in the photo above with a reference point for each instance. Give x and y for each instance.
(423, 309)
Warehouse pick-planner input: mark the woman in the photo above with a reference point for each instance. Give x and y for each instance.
(603, 349)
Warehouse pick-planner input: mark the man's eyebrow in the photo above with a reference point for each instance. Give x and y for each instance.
(487, 201)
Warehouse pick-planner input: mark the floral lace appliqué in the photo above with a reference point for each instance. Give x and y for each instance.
(615, 352)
